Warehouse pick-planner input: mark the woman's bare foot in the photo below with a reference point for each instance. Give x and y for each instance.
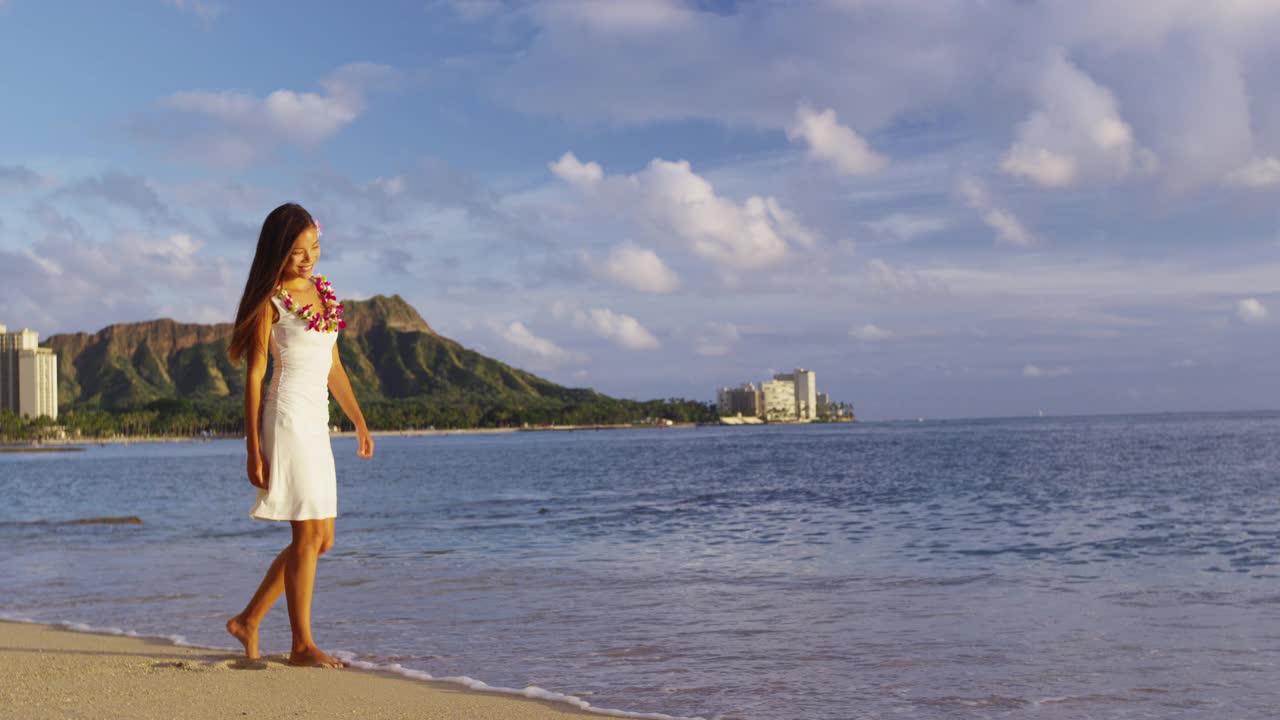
(315, 657)
(247, 635)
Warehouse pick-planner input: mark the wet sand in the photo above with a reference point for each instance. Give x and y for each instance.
(47, 673)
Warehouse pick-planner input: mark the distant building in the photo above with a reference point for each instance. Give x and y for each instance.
(788, 397)
(11, 343)
(744, 400)
(806, 394)
(806, 388)
(779, 399)
(28, 374)
(824, 403)
(38, 383)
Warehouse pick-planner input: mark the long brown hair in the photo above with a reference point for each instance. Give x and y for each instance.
(279, 231)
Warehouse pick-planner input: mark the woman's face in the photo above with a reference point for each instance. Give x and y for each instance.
(303, 255)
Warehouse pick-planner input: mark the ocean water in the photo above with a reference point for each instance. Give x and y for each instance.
(1094, 567)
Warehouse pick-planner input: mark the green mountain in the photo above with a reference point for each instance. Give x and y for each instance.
(390, 353)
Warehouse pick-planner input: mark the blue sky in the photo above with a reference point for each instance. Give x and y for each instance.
(945, 208)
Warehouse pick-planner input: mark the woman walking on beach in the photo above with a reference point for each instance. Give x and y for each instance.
(288, 311)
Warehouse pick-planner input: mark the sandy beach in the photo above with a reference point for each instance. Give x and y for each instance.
(47, 672)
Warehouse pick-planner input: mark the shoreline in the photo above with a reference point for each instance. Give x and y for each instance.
(71, 444)
(539, 428)
(62, 444)
(51, 671)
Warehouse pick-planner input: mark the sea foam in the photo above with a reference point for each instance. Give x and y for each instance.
(533, 692)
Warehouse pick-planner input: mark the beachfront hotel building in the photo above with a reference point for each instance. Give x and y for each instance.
(744, 400)
(779, 399)
(788, 397)
(805, 383)
(806, 394)
(28, 374)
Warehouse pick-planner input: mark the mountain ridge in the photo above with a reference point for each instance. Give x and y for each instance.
(389, 350)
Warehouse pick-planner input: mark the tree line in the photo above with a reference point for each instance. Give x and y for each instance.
(190, 418)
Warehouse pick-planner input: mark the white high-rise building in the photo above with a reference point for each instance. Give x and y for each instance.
(11, 343)
(28, 374)
(806, 394)
(38, 383)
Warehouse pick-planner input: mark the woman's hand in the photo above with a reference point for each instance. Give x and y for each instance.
(366, 443)
(259, 470)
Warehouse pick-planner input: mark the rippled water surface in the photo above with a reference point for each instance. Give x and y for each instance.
(1117, 567)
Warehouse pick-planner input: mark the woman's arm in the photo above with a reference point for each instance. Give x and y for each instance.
(340, 386)
(256, 464)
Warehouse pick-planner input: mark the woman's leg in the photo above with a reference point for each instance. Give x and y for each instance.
(244, 627)
(310, 539)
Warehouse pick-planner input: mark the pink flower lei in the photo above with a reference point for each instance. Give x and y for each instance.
(328, 320)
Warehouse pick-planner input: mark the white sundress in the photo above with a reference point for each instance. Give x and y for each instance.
(302, 483)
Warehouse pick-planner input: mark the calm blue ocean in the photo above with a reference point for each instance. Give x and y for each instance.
(1095, 567)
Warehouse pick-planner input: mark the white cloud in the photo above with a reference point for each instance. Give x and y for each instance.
(749, 236)
(636, 267)
(736, 68)
(519, 336)
(1199, 108)
(786, 224)
(717, 339)
(669, 199)
(1263, 172)
(49, 265)
(202, 8)
(20, 177)
(883, 276)
(623, 330)
(835, 143)
(472, 10)
(1252, 310)
(1041, 164)
(175, 255)
(311, 116)
(627, 16)
(575, 172)
(243, 123)
(1177, 84)
(1076, 132)
(870, 333)
(1009, 229)
(1035, 371)
(391, 186)
(126, 191)
(906, 227)
(130, 276)
(1141, 281)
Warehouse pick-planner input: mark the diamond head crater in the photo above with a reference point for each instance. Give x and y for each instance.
(163, 377)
